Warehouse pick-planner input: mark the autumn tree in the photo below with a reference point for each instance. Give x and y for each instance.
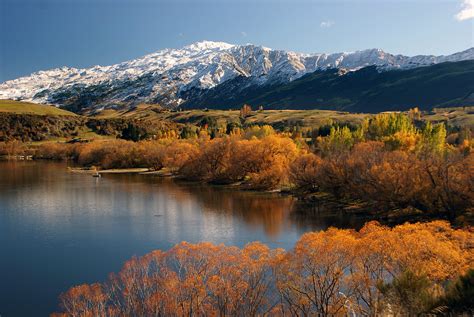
(375, 271)
(12, 148)
(305, 172)
(85, 300)
(386, 124)
(414, 114)
(450, 179)
(258, 132)
(339, 140)
(312, 279)
(245, 111)
(433, 138)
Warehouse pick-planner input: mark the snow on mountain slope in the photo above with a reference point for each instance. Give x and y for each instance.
(165, 76)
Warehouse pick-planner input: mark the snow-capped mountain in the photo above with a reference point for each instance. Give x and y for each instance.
(166, 76)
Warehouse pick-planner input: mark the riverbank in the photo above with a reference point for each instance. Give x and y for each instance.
(323, 200)
(387, 213)
(390, 163)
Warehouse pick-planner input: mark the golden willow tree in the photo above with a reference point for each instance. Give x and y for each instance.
(329, 273)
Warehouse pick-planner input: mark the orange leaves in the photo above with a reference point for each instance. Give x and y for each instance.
(312, 278)
(388, 177)
(274, 155)
(262, 162)
(391, 179)
(333, 272)
(305, 172)
(12, 148)
(432, 249)
(85, 300)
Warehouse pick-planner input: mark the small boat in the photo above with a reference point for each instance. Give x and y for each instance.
(96, 174)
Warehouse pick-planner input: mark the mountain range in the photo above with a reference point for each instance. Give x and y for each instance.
(220, 75)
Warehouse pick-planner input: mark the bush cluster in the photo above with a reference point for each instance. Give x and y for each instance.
(408, 270)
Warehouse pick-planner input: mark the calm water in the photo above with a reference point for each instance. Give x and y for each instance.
(59, 229)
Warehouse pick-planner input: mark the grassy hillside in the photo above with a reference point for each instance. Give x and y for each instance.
(459, 117)
(279, 119)
(276, 118)
(31, 122)
(20, 107)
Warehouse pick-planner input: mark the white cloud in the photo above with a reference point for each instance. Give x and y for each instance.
(326, 24)
(467, 10)
(244, 34)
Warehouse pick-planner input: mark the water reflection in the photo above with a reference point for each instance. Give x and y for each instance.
(59, 229)
(267, 211)
(274, 213)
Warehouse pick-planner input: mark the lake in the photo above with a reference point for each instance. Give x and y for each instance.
(59, 229)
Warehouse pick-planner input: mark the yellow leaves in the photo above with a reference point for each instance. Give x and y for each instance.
(258, 132)
(388, 174)
(339, 140)
(402, 140)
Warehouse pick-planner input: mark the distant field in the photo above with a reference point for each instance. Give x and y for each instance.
(20, 107)
(304, 118)
(276, 118)
(459, 116)
(62, 125)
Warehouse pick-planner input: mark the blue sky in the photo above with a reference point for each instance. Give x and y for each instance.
(43, 34)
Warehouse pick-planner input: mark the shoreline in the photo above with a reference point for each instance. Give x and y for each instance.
(363, 209)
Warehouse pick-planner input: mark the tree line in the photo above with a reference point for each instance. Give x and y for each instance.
(387, 163)
(33, 128)
(410, 269)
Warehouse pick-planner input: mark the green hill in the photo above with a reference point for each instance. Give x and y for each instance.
(365, 90)
(20, 107)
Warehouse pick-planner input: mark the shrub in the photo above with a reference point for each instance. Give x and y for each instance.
(375, 271)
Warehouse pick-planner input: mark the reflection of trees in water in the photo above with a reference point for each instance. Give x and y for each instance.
(257, 209)
(12, 173)
(320, 216)
(271, 211)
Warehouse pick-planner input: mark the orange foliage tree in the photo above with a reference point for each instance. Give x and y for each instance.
(328, 273)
